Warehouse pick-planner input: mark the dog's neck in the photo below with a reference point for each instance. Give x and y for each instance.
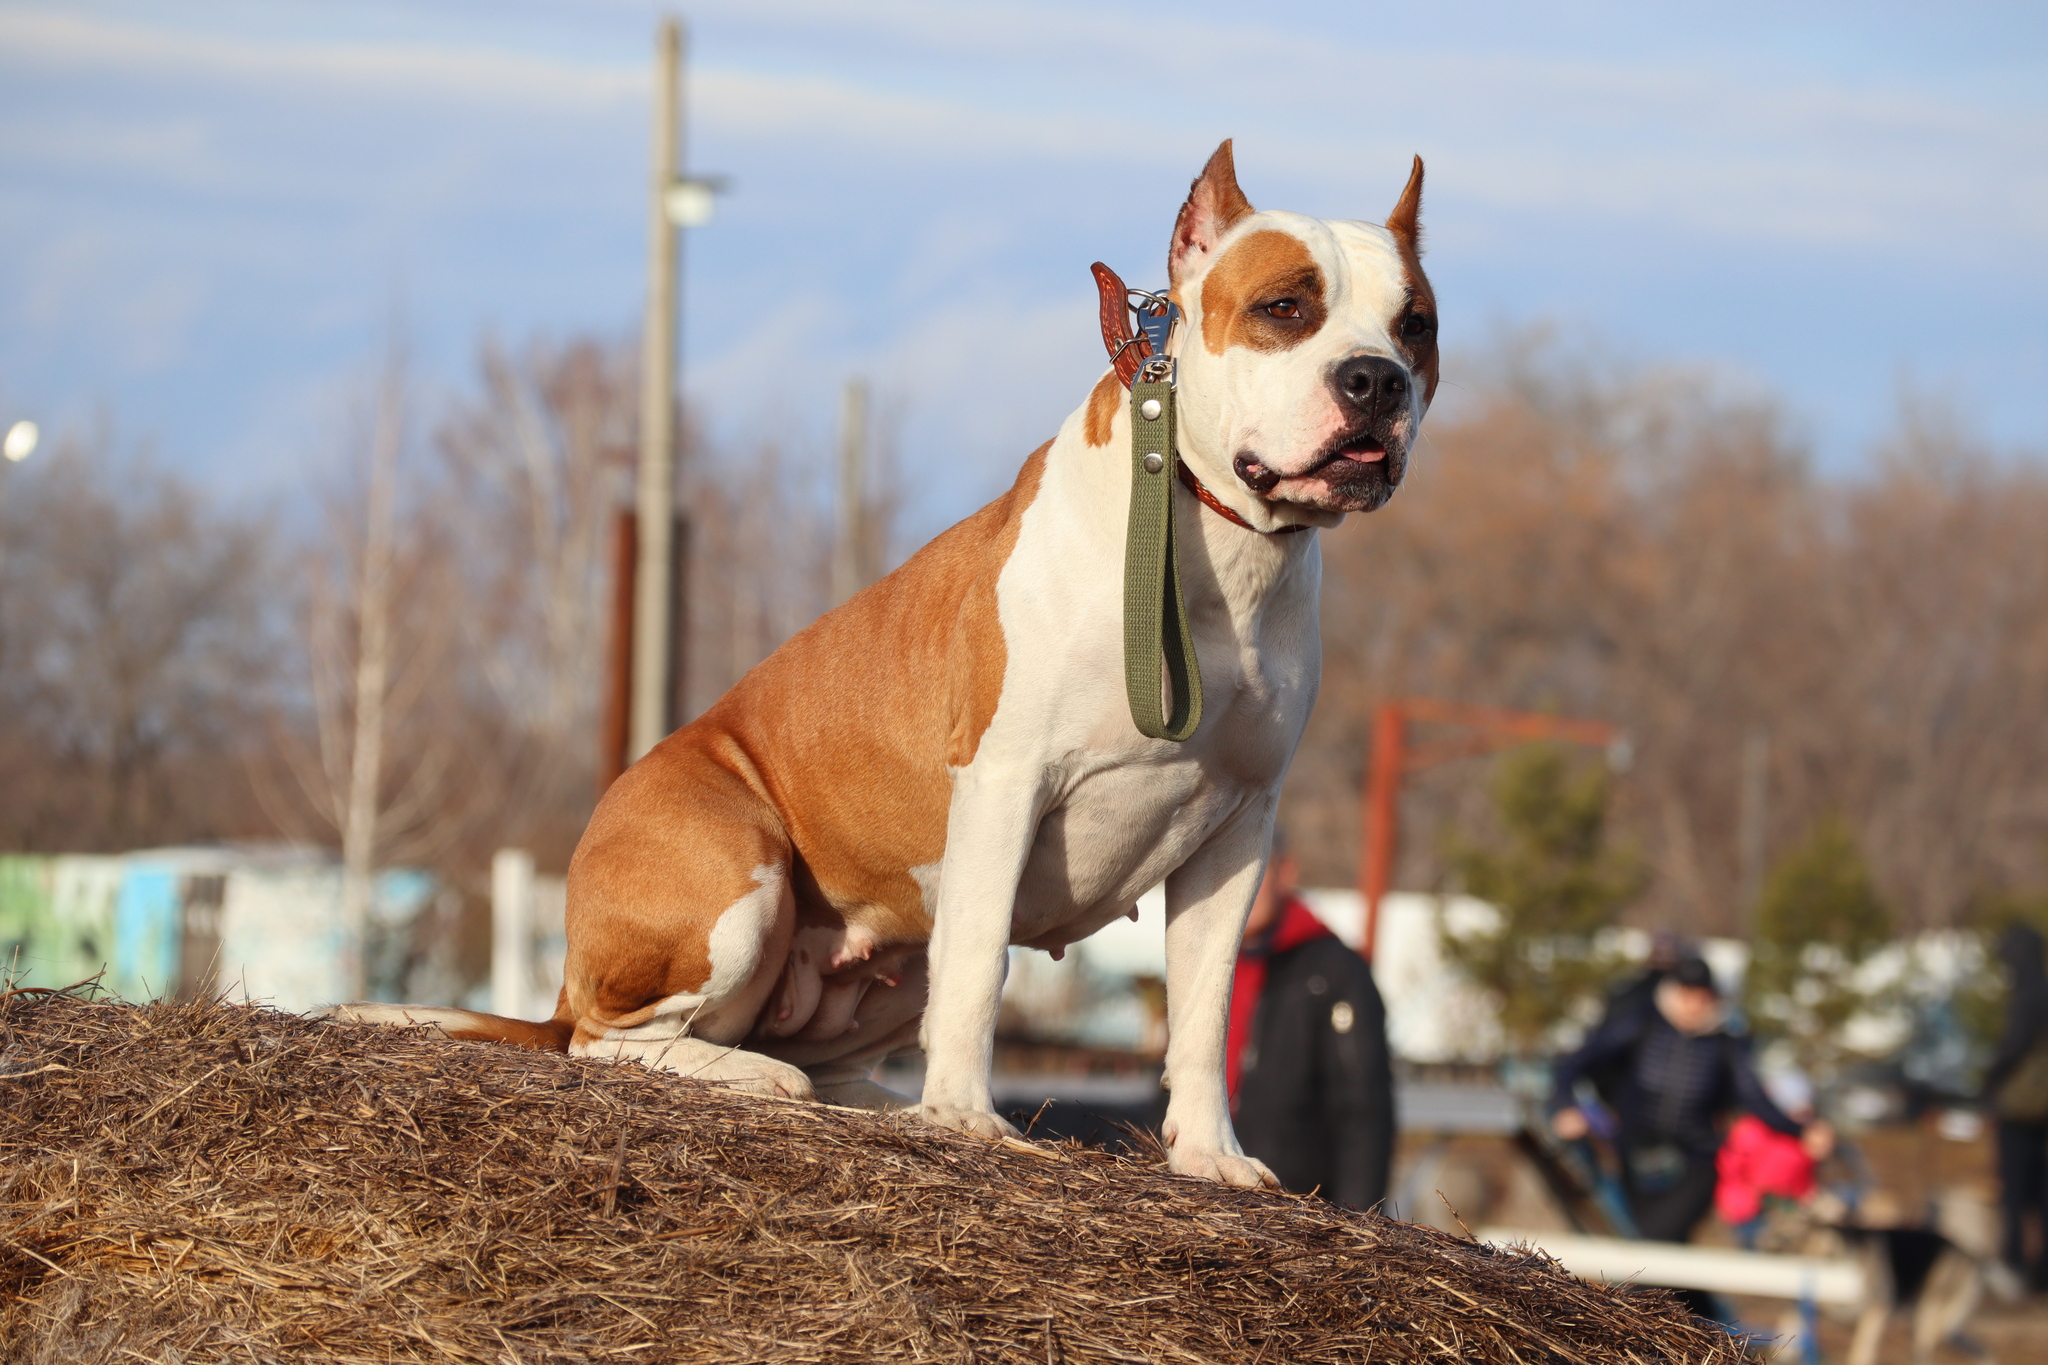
(1226, 568)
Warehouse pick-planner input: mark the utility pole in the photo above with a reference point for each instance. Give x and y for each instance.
(653, 611)
(850, 550)
(675, 201)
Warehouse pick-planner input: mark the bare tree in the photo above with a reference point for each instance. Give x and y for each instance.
(375, 750)
(531, 473)
(135, 652)
(1650, 548)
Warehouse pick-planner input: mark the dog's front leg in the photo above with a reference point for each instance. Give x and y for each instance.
(1207, 900)
(989, 830)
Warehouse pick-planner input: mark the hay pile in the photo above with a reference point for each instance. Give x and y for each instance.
(213, 1182)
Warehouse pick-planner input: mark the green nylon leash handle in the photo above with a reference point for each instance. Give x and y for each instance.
(1155, 613)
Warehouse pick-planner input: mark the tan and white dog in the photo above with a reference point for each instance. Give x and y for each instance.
(840, 852)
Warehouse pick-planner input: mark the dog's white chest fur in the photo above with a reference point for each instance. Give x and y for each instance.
(1121, 810)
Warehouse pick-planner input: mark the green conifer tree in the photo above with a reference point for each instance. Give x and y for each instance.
(1818, 922)
(1557, 885)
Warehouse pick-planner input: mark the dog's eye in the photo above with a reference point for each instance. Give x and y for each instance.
(1284, 308)
(1415, 324)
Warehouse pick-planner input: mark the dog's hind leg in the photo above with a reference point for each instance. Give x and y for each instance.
(1946, 1302)
(680, 927)
(696, 1031)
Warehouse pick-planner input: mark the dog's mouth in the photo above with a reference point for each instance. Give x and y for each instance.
(1357, 472)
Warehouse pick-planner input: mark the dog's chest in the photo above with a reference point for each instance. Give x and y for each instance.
(1120, 811)
(1126, 811)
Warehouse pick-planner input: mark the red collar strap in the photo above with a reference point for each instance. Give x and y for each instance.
(1221, 508)
(1126, 353)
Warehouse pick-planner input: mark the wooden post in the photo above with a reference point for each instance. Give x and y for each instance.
(372, 687)
(614, 730)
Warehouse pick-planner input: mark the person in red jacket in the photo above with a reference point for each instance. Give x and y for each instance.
(1311, 1082)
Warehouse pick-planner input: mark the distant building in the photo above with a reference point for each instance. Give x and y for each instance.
(260, 923)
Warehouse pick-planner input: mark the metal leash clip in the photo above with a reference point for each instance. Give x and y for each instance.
(1156, 315)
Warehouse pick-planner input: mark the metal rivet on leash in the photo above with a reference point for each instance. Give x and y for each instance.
(1154, 462)
(1150, 407)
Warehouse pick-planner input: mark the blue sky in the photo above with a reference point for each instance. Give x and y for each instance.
(207, 209)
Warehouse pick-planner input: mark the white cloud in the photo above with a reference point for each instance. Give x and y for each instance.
(1707, 148)
(468, 73)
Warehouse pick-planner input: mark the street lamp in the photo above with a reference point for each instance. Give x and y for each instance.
(21, 441)
(690, 200)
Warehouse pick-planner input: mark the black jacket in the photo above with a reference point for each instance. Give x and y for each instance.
(1315, 1097)
(1668, 1087)
(2026, 1008)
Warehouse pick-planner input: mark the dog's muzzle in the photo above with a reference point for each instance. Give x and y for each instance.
(1359, 468)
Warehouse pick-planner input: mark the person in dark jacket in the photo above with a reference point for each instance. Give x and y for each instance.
(2016, 1090)
(1311, 1083)
(1678, 1072)
(1631, 997)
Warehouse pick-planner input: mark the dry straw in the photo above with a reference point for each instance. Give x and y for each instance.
(197, 1182)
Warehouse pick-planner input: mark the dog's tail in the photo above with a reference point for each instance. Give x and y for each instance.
(466, 1025)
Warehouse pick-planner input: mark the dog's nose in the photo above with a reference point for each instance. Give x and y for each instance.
(1371, 383)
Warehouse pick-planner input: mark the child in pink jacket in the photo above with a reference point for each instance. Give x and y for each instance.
(1757, 1162)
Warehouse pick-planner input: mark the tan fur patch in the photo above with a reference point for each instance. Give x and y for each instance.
(672, 845)
(850, 748)
(1257, 270)
(1100, 419)
(830, 758)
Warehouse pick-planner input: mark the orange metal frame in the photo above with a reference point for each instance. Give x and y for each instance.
(1488, 730)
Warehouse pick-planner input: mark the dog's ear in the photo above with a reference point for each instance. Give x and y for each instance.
(1405, 222)
(1214, 206)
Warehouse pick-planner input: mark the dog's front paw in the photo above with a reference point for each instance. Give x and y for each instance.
(1225, 1168)
(979, 1122)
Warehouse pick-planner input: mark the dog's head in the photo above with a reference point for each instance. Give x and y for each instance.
(1309, 351)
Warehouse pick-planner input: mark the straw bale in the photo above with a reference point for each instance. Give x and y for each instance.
(197, 1182)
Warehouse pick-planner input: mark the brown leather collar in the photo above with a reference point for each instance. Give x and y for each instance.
(1126, 353)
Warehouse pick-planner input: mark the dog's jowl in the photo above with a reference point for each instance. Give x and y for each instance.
(830, 864)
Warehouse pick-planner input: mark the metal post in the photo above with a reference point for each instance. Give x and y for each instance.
(653, 608)
(1382, 802)
(849, 552)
